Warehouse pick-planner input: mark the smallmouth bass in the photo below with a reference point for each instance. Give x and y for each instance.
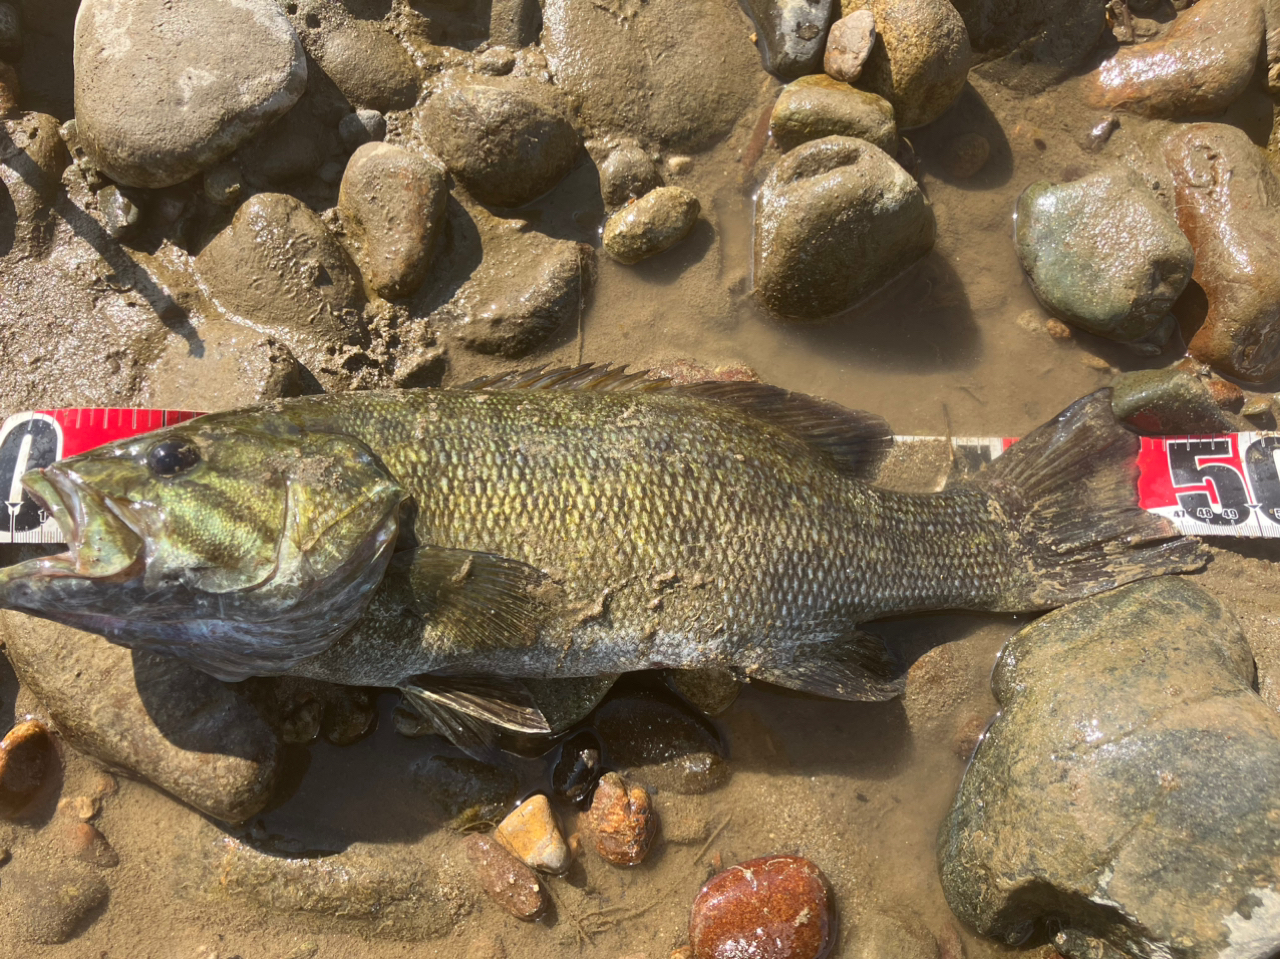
(571, 523)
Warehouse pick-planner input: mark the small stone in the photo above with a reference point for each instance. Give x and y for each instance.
(817, 106)
(711, 690)
(465, 792)
(1199, 67)
(50, 902)
(921, 61)
(1169, 402)
(119, 213)
(506, 880)
(849, 43)
(965, 156)
(576, 770)
(364, 61)
(361, 127)
(626, 174)
(87, 844)
(530, 832)
(392, 204)
(496, 61)
(775, 907)
(1057, 329)
(621, 820)
(1103, 253)
(222, 366)
(656, 222)
(1227, 198)
(82, 808)
(1096, 363)
(793, 33)
(836, 219)
(10, 32)
(153, 120)
(26, 753)
(528, 141)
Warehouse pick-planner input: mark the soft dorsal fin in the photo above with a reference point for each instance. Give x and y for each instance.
(857, 441)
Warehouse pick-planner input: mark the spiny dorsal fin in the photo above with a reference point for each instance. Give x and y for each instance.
(857, 441)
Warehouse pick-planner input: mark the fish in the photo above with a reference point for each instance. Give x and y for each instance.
(467, 544)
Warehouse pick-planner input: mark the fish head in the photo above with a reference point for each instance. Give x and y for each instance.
(240, 542)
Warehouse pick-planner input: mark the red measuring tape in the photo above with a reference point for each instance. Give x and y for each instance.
(1225, 485)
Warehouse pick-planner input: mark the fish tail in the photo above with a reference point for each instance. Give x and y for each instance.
(1068, 492)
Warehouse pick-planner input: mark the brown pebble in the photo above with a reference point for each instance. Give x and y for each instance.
(25, 755)
(506, 880)
(966, 155)
(81, 807)
(89, 845)
(849, 43)
(1057, 329)
(776, 907)
(531, 833)
(621, 820)
(1095, 363)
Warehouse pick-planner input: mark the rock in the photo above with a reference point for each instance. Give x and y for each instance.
(643, 728)
(577, 768)
(656, 222)
(508, 141)
(522, 292)
(505, 879)
(26, 753)
(362, 126)
(621, 820)
(531, 834)
(817, 106)
(224, 184)
(155, 118)
(1041, 43)
(792, 32)
(849, 43)
(1125, 795)
(150, 715)
(464, 791)
(51, 903)
(303, 710)
(1170, 402)
(88, 845)
(892, 935)
(222, 366)
(836, 219)
(291, 149)
(10, 32)
(627, 173)
(711, 690)
(278, 267)
(1199, 67)
(119, 213)
(1227, 200)
(392, 204)
(1103, 253)
(364, 61)
(10, 91)
(642, 69)
(32, 159)
(922, 60)
(775, 907)
(965, 156)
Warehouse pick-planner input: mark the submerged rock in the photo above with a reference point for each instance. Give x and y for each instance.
(849, 44)
(530, 833)
(51, 903)
(621, 821)
(656, 222)
(1126, 794)
(156, 102)
(509, 141)
(26, 754)
(1199, 67)
(1170, 402)
(793, 33)
(836, 219)
(1227, 198)
(817, 106)
(1040, 43)
(505, 879)
(774, 907)
(1103, 253)
(150, 715)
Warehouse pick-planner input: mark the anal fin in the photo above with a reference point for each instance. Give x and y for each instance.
(856, 667)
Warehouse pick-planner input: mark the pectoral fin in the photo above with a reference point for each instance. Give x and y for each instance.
(470, 712)
(857, 666)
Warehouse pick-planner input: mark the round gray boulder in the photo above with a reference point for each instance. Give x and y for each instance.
(157, 100)
(836, 219)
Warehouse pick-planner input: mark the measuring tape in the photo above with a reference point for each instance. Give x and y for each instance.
(1225, 485)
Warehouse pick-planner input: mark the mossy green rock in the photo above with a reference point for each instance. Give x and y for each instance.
(1127, 796)
(1103, 253)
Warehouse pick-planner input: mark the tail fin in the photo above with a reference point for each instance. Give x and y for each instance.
(1069, 493)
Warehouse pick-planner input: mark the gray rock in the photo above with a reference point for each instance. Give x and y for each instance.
(50, 903)
(793, 33)
(657, 221)
(222, 366)
(279, 269)
(1125, 795)
(156, 101)
(1033, 45)
(508, 141)
(836, 219)
(817, 106)
(1170, 402)
(463, 791)
(627, 173)
(362, 127)
(365, 62)
(392, 204)
(288, 150)
(849, 43)
(149, 715)
(642, 69)
(119, 213)
(10, 32)
(1103, 253)
(921, 61)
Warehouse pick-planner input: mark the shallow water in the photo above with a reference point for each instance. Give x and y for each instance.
(858, 788)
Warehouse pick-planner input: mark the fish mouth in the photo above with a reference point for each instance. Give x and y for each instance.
(101, 542)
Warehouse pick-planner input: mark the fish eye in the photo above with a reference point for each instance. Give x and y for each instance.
(172, 457)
